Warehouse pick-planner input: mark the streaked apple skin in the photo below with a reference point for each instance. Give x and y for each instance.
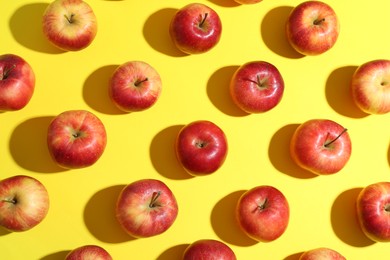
(17, 82)
(311, 146)
(88, 252)
(209, 249)
(201, 147)
(373, 210)
(321, 253)
(263, 213)
(312, 28)
(135, 86)
(192, 32)
(370, 86)
(24, 203)
(146, 208)
(257, 87)
(70, 25)
(76, 139)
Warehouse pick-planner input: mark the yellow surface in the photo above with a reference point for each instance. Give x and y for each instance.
(194, 87)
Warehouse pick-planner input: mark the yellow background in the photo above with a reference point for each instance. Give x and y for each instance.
(140, 145)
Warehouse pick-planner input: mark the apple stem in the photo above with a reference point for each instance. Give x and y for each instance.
(263, 205)
(7, 71)
(203, 20)
(138, 82)
(13, 201)
(337, 137)
(319, 21)
(69, 18)
(258, 81)
(155, 196)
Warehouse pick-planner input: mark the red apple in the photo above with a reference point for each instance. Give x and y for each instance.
(201, 147)
(76, 139)
(146, 208)
(88, 252)
(312, 28)
(24, 203)
(209, 249)
(321, 253)
(70, 25)
(195, 28)
(135, 86)
(17, 82)
(321, 146)
(256, 87)
(263, 213)
(373, 210)
(370, 87)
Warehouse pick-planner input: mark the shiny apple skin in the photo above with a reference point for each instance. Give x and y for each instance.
(308, 149)
(373, 210)
(201, 147)
(189, 34)
(88, 252)
(321, 253)
(135, 213)
(209, 249)
(76, 139)
(17, 82)
(257, 87)
(24, 203)
(69, 36)
(370, 86)
(135, 86)
(304, 35)
(263, 213)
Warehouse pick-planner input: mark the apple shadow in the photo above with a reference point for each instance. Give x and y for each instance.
(95, 91)
(279, 153)
(4, 232)
(26, 28)
(224, 222)
(294, 256)
(28, 146)
(219, 93)
(162, 154)
(156, 32)
(338, 93)
(175, 252)
(224, 3)
(344, 219)
(99, 216)
(273, 27)
(60, 255)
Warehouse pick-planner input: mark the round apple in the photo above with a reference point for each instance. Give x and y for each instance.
(321, 146)
(135, 86)
(373, 210)
(195, 28)
(208, 249)
(312, 28)
(321, 253)
(201, 147)
(370, 87)
(88, 252)
(17, 82)
(24, 203)
(263, 213)
(146, 208)
(76, 139)
(70, 25)
(256, 87)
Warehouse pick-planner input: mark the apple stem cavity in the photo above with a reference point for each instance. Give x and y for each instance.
(259, 82)
(318, 21)
(387, 208)
(262, 206)
(7, 71)
(327, 144)
(69, 18)
(139, 82)
(203, 19)
(153, 202)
